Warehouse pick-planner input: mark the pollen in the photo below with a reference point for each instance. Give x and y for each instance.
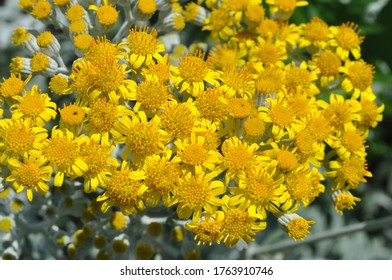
(361, 74)
(316, 30)
(236, 222)
(102, 115)
(347, 36)
(12, 86)
(328, 63)
(28, 174)
(254, 127)
(45, 39)
(147, 7)
(207, 231)
(281, 115)
(58, 84)
(211, 104)
(143, 42)
(107, 15)
(39, 62)
(194, 154)
(72, 115)
(151, 94)
(239, 108)
(287, 160)
(178, 120)
(42, 10)
(193, 193)
(193, 68)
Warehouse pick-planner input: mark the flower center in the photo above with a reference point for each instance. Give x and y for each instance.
(39, 62)
(254, 127)
(28, 174)
(361, 75)
(193, 68)
(287, 160)
(239, 108)
(194, 154)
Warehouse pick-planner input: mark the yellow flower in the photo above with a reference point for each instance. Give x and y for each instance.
(59, 84)
(13, 86)
(346, 40)
(295, 226)
(19, 137)
(141, 137)
(192, 72)
(352, 142)
(107, 15)
(359, 77)
(192, 152)
(42, 10)
(315, 34)
(212, 104)
(238, 224)
(162, 175)
(327, 64)
(30, 174)
(371, 114)
(125, 189)
(344, 200)
(35, 106)
(207, 230)
(198, 192)
(63, 153)
(221, 25)
(299, 78)
(283, 9)
(222, 56)
(237, 83)
(96, 154)
(348, 173)
(143, 47)
(72, 118)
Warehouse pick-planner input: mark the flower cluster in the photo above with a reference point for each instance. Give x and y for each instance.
(138, 130)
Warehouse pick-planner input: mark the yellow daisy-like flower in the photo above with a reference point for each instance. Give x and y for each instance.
(352, 142)
(63, 153)
(348, 173)
(222, 56)
(107, 14)
(371, 114)
(212, 104)
(206, 230)
(300, 78)
(346, 40)
(96, 154)
(20, 137)
(31, 173)
(141, 136)
(237, 83)
(197, 192)
(343, 200)
(238, 224)
(359, 77)
(327, 64)
(162, 175)
(258, 191)
(286, 158)
(192, 152)
(315, 33)
(143, 47)
(35, 106)
(283, 9)
(269, 53)
(125, 189)
(59, 85)
(221, 25)
(192, 72)
(13, 86)
(72, 118)
(295, 226)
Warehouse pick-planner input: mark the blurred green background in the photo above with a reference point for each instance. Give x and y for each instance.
(374, 19)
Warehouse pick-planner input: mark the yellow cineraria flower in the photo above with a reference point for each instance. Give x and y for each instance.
(42, 10)
(315, 34)
(352, 142)
(343, 200)
(142, 137)
(212, 104)
(238, 224)
(258, 191)
(269, 53)
(59, 84)
(285, 158)
(31, 173)
(348, 173)
(63, 153)
(295, 226)
(197, 192)
(162, 175)
(237, 82)
(283, 9)
(224, 55)
(221, 25)
(359, 77)
(35, 106)
(206, 230)
(144, 47)
(125, 189)
(371, 114)
(107, 15)
(13, 86)
(96, 153)
(72, 118)
(192, 152)
(300, 78)
(327, 64)
(192, 72)
(346, 40)
(19, 137)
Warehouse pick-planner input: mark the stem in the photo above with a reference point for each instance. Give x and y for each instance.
(253, 252)
(125, 26)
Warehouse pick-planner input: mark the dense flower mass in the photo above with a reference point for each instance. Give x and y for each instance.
(139, 131)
